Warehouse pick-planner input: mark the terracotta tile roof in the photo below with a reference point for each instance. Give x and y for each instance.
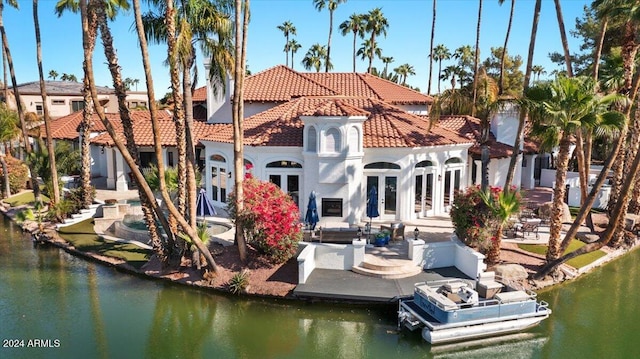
(281, 84)
(66, 128)
(386, 126)
(367, 85)
(143, 133)
(469, 127)
(333, 107)
(200, 94)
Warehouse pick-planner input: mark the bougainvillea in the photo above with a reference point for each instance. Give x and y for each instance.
(270, 218)
(478, 218)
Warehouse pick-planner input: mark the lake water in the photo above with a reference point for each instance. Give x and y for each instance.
(79, 309)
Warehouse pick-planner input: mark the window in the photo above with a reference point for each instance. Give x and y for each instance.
(312, 140)
(382, 166)
(332, 140)
(133, 104)
(77, 106)
(284, 164)
(453, 160)
(39, 108)
(422, 164)
(57, 102)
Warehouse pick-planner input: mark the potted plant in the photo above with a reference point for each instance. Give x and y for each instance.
(381, 239)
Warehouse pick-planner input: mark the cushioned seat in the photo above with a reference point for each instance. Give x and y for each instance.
(487, 286)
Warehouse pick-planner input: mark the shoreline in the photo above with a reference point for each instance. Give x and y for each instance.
(192, 278)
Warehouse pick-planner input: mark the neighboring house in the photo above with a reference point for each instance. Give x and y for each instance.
(65, 97)
(199, 100)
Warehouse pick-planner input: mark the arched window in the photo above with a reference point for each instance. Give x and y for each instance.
(217, 158)
(381, 166)
(354, 139)
(312, 140)
(423, 164)
(332, 140)
(284, 164)
(453, 160)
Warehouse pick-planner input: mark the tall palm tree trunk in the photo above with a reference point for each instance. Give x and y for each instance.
(16, 93)
(476, 61)
(555, 225)
(328, 61)
(355, 34)
(146, 201)
(372, 43)
(190, 146)
(238, 114)
(433, 32)
(45, 108)
(504, 49)
(178, 106)
(523, 112)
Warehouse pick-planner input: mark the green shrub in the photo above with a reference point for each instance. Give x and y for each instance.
(18, 174)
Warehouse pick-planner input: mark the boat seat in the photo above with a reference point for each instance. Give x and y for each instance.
(510, 297)
(487, 287)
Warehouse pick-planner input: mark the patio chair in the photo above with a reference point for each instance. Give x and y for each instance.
(396, 230)
(528, 227)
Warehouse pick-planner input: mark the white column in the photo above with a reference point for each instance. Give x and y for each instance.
(111, 177)
(121, 176)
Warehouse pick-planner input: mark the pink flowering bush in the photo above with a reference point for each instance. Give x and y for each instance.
(270, 218)
(478, 218)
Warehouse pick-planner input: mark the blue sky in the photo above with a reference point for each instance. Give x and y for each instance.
(407, 39)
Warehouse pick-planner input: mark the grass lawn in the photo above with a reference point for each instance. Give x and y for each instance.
(574, 211)
(576, 262)
(85, 239)
(24, 198)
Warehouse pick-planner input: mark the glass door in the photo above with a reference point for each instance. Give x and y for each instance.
(290, 185)
(451, 184)
(387, 195)
(423, 195)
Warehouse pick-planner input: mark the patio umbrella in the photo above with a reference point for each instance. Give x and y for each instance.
(311, 217)
(204, 207)
(372, 206)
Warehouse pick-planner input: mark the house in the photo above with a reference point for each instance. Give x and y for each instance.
(66, 97)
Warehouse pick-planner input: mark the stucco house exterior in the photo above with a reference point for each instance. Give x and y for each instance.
(65, 98)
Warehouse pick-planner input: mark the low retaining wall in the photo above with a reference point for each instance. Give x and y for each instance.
(328, 256)
(454, 253)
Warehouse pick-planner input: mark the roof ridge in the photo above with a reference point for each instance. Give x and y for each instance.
(315, 82)
(363, 78)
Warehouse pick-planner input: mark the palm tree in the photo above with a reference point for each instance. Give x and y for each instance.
(294, 46)
(23, 126)
(287, 29)
(451, 72)
(53, 74)
(87, 111)
(316, 57)
(506, 205)
(504, 48)
(538, 70)
(464, 55)
(45, 107)
(404, 71)
(241, 7)
(375, 24)
(523, 115)
(386, 60)
(367, 49)
(476, 60)
(440, 53)
(431, 54)
(354, 24)
(331, 5)
(564, 107)
(9, 131)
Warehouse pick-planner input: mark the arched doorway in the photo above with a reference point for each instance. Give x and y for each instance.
(384, 176)
(424, 183)
(219, 177)
(452, 180)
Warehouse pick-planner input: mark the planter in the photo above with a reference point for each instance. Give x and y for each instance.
(381, 241)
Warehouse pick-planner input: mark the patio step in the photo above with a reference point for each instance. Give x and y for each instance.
(387, 267)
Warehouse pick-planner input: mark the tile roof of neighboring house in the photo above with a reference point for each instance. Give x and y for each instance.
(469, 127)
(200, 94)
(58, 88)
(367, 85)
(143, 133)
(66, 127)
(386, 126)
(281, 84)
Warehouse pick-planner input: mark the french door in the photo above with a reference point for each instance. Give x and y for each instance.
(423, 194)
(386, 188)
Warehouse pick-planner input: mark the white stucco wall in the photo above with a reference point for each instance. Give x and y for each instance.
(504, 124)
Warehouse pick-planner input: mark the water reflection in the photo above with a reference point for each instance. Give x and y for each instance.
(98, 312)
